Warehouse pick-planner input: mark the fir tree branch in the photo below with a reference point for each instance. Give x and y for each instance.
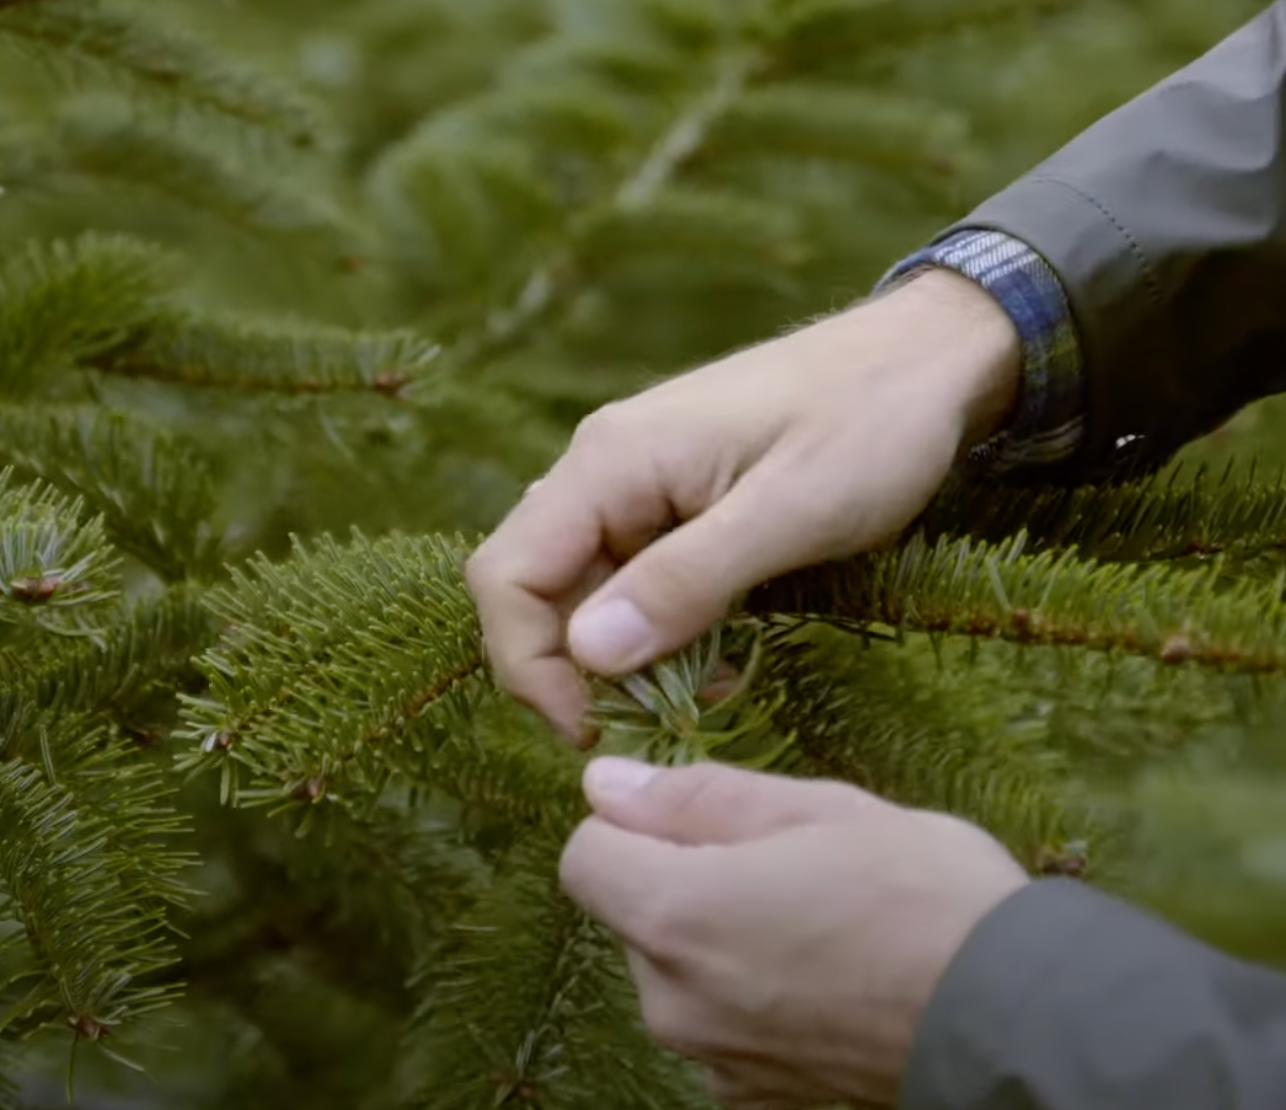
(328, 660)
(674, 712)
(553, 281)
(810, 33)
(871, 717)
(687, 222)
(1158, 517)
(813, 119)
(119, 40)
(146, 651)
(57, 571)
(89, 887)
(63, 303)
(965, 587)
(225, 354)
(504, 766)
(10, 1092)
(155, 493)
(92, 153)
(528, 1002)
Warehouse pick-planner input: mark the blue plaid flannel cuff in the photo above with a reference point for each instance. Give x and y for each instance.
(1048, 421)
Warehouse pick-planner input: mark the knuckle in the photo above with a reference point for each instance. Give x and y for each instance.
(601, 428)
(479, 568)
(667, 1020)
(665, 927)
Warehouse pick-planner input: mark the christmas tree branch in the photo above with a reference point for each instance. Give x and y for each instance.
(504, 767)
(550, 283)
(144, 652)
(528, 997)
(90, 154)
(327, 661)
(660, 165)
(836, 122)
(165, 63)
(966, 587)
(224, 354)
(87, 874)
(155, 494)
(66, 302)
(873, 717)
(815, 32)
(1159, 517)
(58, 574)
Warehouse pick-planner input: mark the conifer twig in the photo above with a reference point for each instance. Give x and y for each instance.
(154, 492)
(227, 355)
(866, 717)
(553, 280)
(168, 64)
(969, 588)
(526, 995)
(1160, 517)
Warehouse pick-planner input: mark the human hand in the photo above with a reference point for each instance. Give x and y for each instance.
(785, 933)
(817, 445)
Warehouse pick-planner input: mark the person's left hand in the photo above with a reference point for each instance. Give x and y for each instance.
(787, 934)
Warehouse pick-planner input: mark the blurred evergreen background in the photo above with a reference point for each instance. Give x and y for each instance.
(416, 241)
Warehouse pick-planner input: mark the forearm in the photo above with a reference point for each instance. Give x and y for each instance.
(1166, 225)
(1044, 418)
(1065, 999)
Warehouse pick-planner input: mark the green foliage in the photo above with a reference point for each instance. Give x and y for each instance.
(82, 814)
(279, 272)
(1160, 517)
(92, 151)
(677, 712)
(57, 573)
(227, 354)
(569, 1007)
(156, 495)
(327, 660)
(935, 741)
(968, 587)
(64, 303)
(163, 62)
(119, 673)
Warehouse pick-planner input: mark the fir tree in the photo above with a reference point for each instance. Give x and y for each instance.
(295, 298)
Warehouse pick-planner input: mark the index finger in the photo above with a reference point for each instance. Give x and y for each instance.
(556, 546)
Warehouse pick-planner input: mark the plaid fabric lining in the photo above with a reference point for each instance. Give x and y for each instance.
(1049, 420)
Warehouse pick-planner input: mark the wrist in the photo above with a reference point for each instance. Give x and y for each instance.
(977, 355)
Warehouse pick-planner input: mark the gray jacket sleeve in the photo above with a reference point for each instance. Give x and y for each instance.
(1166, 222)
(1066, 999)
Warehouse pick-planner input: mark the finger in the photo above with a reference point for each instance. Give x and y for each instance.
(712, 803)
(627, 882)
(579, 517)
(675, 588)
(672, 1014)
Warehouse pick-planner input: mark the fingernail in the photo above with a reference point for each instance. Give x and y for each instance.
(609, 776)
(611, 637)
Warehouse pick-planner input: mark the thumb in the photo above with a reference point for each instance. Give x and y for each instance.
(712, 803)
(675, 588)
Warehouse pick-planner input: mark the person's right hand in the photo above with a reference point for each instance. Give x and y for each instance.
(816, 445)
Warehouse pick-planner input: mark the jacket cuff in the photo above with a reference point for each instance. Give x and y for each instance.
(1064, 996)
(1048, 423)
